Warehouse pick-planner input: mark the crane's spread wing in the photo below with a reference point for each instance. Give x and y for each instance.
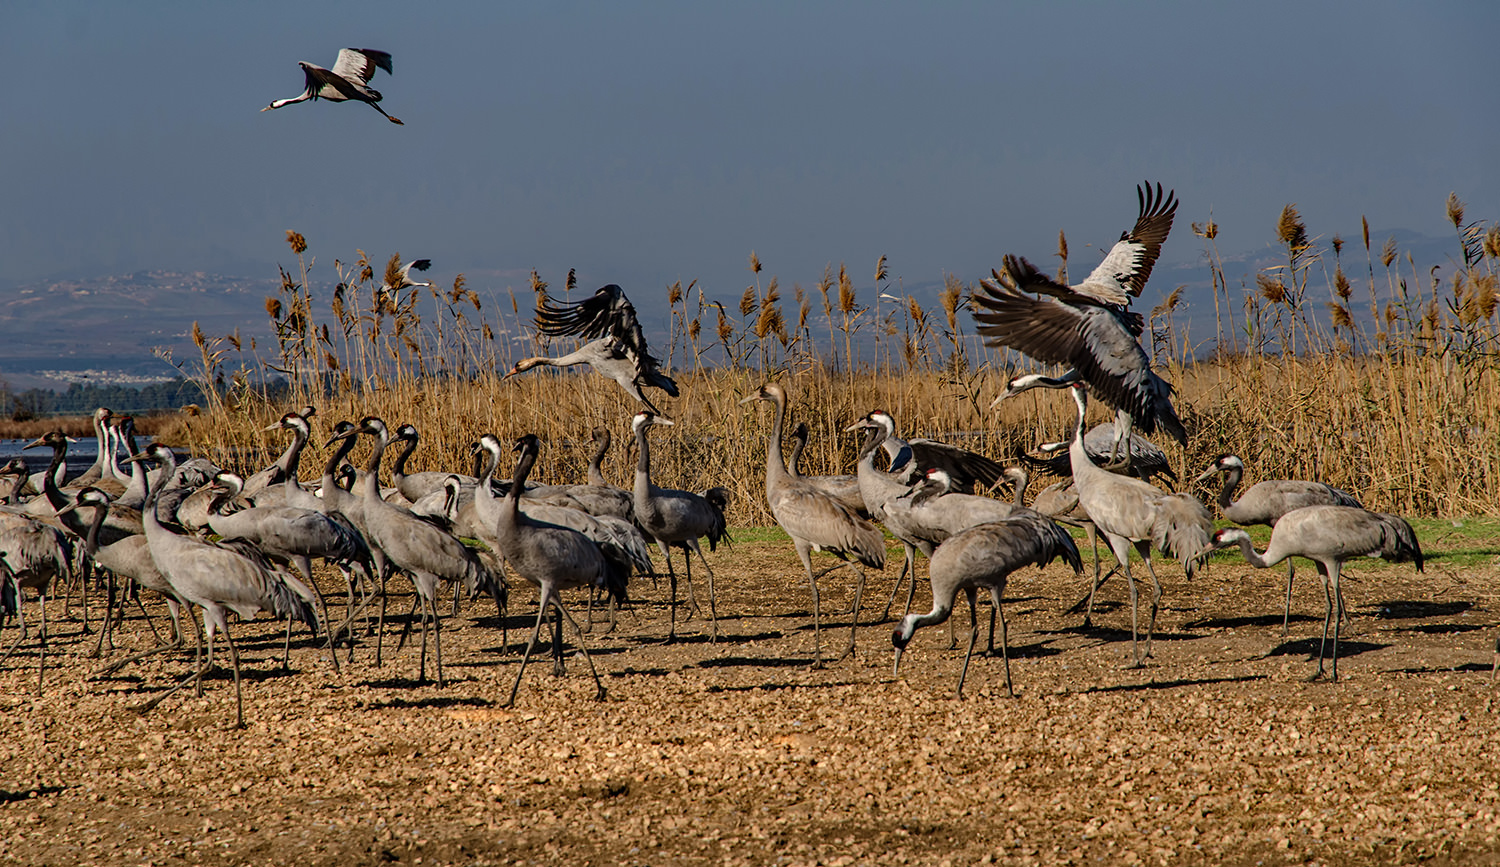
(359, 64)
(329, 85)
(967, 469)
(1091, 338)
(420, 265)
(1124, 271)
(606, 312)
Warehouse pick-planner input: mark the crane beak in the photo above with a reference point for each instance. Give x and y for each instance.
(896, 666)
(862, 424)
(276, 426)
(36, 443)
(1207, 474)
(354, 431)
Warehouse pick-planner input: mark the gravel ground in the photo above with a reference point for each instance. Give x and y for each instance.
(736, 752)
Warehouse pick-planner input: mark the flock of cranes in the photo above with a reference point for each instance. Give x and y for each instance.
(207, 540)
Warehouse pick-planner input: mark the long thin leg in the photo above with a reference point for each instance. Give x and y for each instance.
(41, 658)
(963, 673)
(380, 623)
(536, 631)
(666, 553)
(803, 552)
(1330, 585)
(859, 589)
(1286, 613)
(559, 668)
(422, 664)
(1145, 551)
(906, 566)
(583, 647)
(234, 661)
(437, 639)
(995, 594)
(416, 600)
(713, 613)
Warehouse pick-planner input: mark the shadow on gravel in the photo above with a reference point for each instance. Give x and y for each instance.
(1173, 684)
(756, 661)
(8, 797)
(1482, 667)
(1266, 620)
(776, 687)
(1441, 628)
(1109, 634)
(1308, 647)
(1409, 609)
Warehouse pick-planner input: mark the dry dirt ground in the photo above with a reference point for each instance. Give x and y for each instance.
(736, 752)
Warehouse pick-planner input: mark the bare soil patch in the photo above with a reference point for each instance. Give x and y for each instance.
(735, 752)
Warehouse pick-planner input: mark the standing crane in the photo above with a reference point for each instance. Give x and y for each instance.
(1266, 501)
(1130, 512)
(419, 548)
(552, 557)
(618, 349)
(218, 580)
(349, 79)
(984, 556)
(679, 518)
(32, 556)
(1329, 536)
(285, 467)
(842, 487)
(816, 521)
(911, 459)
(1089, 327)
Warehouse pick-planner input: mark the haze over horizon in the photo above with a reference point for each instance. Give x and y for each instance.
(647, 143)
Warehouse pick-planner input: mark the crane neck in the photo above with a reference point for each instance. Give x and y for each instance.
(775, 466)
(409, 445)
(1232, 478)
(642, 461)
(1252, 556)
(596, 466)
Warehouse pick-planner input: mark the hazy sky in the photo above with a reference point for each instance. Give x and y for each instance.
(644, 143)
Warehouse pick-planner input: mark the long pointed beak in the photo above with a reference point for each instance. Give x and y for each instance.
(862, 424)
(36, 443)
(1207, 474)
(341, 436)
(896, 667)
(750, 399)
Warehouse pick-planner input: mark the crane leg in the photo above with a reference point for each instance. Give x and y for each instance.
(906, 568)
(1145, 551)
(104, 629)
(437, 640)
(234, 662)
(995, 594)
(963, 673)
(41, 657)
(713, 613)
(582, 648)
(416, 600)
(1330, 592)
(422, 656)
(559, 669)
(672, 595)
(536, 631)
(380, 622)
(859, 590)
(1286, 613)
(802, 552)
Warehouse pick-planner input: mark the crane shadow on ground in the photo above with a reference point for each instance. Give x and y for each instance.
(1441, 628)
(1269, 621)
(1481, 667)
(1171, 684)
(1308, 647)
(776, 687)
(1414, 609)
(9, 797)
(753, 661)
(1114, 635)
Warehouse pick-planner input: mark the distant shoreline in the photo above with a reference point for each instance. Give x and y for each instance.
(73, 426)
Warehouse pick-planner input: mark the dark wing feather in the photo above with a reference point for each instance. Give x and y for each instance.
(967, 469)
(421, 264)
(606, 312)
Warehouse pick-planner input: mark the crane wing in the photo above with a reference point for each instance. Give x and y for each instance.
(359, 64)
(606, 312)
(1123, 273)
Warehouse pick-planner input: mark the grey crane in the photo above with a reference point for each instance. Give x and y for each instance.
(882, 493)
(910, 459)
(122, 431)
(32, 556)
(417, 547)
(1059, 501)
(285, 467)
(130, 559)
(415, 486)
(398, 276)
(932, 512)
(619, 540)
(290, 534)
(598, 496)
(1329, 536)
(1266, 501)
(1147, 460)
(1128, 512)
(816, 521)
(843, 487)
(218, 580)
(349, 79)
(618, 349)
(1089, 326)
(680, 518)
(554, 558)
(984, 556)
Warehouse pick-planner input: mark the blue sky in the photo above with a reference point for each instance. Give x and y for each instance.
(643, 143)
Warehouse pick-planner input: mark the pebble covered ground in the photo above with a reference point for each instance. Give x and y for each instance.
(736, 752)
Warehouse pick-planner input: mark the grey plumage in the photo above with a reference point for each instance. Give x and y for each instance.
(219, 580)
(618, 346)
(842, 487)
(349, 79)
(552, 557)
(984, 556)
(1329, 536)
(285, 466)
(1266, 501)
(911, 459)
(816, 521)
(1088, 327)
(1130, 512)
(677, 518)
(427, 554)
(1147, 460)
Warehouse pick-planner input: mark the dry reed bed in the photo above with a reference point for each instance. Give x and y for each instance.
(1399, 408)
